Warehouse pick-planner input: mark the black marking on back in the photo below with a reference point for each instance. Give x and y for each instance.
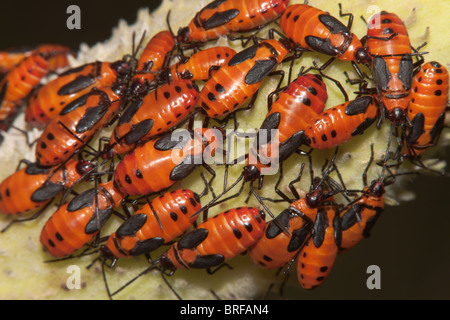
(417, 128)
(333, 24)
(358, 106)
(185, 168)
(47, 192)
(320, 227)
(337, 229)
(168, 142)
(131, 226)
(214, 4)
(207, 261)
(146, 246)
(75, 104)
(92, 117)
(382, 73)
(351, 216)
(298, 238)
(193, 239)
(78, 69)
(98, 220)
(273, 229)
(36, 169)
(270, 123)
(321, 45)
(363, 126)
(405, 72)
(138, 131)
(437, 128)
(288, 147)
(79, 83)
(130, 112)
(3, 91)
(260, 70)
(82, 200)
(243, 55)
(219, 19)
(370, 223)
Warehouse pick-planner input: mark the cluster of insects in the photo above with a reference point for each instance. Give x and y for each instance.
(145, 98)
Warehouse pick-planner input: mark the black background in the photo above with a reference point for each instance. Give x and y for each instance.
(410, 243)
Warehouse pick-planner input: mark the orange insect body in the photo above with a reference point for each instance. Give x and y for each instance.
(223, 17)
(317, 257)
(275, 248)
(339, 124)
(389, 49)
(21, 80)
(159, 163)
(158, 222)
(317, 30)
(219, 238)
(72, 88)
(12, 57)
(35, 186)
(294, 110)
(75, 126)
(156, 113)
(77, 222)
(358, 220)
(200, 65)
(151, 61)
(235, 82)
(426, 110)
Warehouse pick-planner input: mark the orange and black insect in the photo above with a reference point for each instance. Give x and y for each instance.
(78, 221)
(339, 124)
(313, 226)
(158, 222)
(223, 17)
(359, 217)
(276, 247)
(215, 240)
(295, 109)
(9, 58)
(159, 111)
(72, 88)
(199, 66)
(390, 55)
(238, 80)
(159, 163)
(317, 30)
(317, 257)
(34, 186)
(20, 81)
(153, 58)
(426, 111)
(76, 124)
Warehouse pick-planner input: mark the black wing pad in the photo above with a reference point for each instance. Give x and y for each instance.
(417, 128)
(48, 191)
(219, 19)
(193, 239)
(76, 85)
(98, 220)
(131, 226)
(333, 24)
(138, 131)
(130, 112)
(260, 70)
(321, 45)
(382, 73)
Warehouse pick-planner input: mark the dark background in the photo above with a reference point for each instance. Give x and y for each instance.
(410, 243)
